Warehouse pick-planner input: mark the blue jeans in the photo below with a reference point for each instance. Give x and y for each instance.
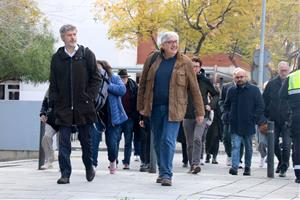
(127, 129)
(96, 132)
(165, 134)
(112, 135)
(84, 137)
(236, 141)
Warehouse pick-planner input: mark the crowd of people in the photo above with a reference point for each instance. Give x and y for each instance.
(174, 100)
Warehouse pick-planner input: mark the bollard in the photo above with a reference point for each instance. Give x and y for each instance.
(41, 151)
(270, 155)
(152, 168)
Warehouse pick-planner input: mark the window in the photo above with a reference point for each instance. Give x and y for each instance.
(10, 90)
(2, 92)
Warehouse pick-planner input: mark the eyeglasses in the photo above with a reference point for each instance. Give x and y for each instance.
(239, 77)
(171, 42)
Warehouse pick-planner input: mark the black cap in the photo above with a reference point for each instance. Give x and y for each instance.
(123, 73)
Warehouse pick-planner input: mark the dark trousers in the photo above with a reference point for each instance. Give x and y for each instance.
(282, 151)
(184, 153)
(295, 131)
(145, 142)
(84, 136)
(112, 135)
(227, 139)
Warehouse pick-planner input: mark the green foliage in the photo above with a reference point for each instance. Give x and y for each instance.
(26, 45)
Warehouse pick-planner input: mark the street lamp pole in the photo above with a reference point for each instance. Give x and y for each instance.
(262, 43)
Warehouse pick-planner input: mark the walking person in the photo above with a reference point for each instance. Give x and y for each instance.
(290, 91)
(74, 83)
(278, 110)
(194, 131)
(129, 104)
(162, 95)
(47, 117)
(113, 115)
(243, 108)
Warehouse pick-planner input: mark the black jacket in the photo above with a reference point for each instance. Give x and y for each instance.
(206, 87)
(74, 84)
(244, 108)
(48, 112)
(275, 109)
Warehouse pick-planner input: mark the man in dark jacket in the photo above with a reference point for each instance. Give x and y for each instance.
(194, 131)
(74, 84)
(243, 108)
(129, 104)
(278, 110)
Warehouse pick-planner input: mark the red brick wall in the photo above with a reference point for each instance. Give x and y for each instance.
(145, 47)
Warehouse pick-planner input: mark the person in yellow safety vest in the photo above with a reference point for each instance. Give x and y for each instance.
(290, 91)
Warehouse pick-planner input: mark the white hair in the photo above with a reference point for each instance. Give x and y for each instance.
(167, 35)
(237, 70)
(282, 63)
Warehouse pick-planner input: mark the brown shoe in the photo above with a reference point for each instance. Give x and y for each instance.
(159, 179)
(196, 169)
(166, 182)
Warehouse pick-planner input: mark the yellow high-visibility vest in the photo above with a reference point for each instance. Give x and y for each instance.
(294, 83)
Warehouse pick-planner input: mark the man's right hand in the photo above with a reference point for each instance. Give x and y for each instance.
(43, 118)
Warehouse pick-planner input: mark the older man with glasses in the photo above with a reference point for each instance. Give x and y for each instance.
(243, 108)
(166, 78)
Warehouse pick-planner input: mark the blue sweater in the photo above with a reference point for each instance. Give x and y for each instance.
(162, 81)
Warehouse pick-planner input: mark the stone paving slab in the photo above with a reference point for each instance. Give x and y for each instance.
(22, 180)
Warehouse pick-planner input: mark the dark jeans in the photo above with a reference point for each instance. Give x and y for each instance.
(96, 131)
(282, 151)
(184, 153)
(112, 135)
(145, 142)
(165, 134)
(127, 129)
(137, 144)
(84, 137)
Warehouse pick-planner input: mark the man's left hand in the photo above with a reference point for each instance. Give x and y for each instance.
(199, 119)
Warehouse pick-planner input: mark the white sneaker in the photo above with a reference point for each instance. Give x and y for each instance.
(228, 161)
(136, 158)
(262, 162)
(201, 162)
(47, 165)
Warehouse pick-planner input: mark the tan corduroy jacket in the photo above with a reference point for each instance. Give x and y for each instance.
(183, 78)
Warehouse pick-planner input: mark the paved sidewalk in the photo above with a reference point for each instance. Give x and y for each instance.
(22, 180)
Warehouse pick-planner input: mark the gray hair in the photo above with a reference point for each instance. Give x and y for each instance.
(283, 63)
(67, 27)
(167, 35)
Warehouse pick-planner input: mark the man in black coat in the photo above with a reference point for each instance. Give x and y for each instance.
(243, 108)
(74, 84)
(278, 111)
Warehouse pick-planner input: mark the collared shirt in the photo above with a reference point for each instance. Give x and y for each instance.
(72, 54)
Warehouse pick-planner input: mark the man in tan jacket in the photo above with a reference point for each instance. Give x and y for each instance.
(167, 76)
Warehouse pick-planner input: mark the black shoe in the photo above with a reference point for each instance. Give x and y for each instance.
(247, 171)
(90, 174)
(185, 165)
(233, 171)
(297, 180)
(144, 168)
(207, 160)
(63, 180)
(159, 179)
(282, 173)
(214, 161)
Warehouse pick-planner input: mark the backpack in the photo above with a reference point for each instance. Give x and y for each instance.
(102, 93)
